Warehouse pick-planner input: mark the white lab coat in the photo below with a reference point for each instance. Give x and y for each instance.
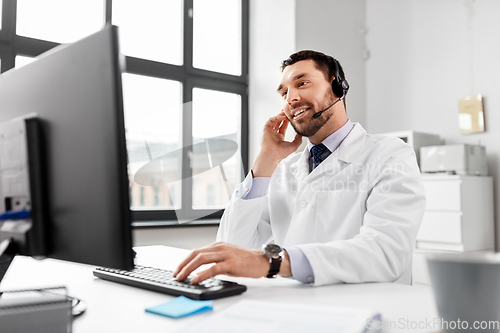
(355, 217)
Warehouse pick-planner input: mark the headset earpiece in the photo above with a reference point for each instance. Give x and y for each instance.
(339, 86)
(345, 87)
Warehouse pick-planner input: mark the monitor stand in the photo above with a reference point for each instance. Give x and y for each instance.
(7, 254)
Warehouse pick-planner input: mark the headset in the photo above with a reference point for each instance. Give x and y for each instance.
(339, 86)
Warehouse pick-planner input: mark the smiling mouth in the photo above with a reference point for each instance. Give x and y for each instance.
(299, 112)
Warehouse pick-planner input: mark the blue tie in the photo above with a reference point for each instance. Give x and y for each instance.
(316, 153)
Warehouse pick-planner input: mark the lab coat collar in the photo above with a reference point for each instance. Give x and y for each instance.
(347, 152)
(353, 144)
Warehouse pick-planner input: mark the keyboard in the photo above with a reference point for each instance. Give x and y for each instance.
(162, 281)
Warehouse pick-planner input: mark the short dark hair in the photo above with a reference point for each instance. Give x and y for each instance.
(324, 63)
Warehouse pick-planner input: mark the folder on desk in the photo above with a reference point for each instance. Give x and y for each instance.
(264, 316)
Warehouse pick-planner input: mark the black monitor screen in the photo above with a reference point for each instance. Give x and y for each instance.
(75, 91)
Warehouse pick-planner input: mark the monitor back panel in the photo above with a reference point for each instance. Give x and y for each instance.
(75, 90)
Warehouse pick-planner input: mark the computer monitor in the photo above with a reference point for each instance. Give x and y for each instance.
(75, 91)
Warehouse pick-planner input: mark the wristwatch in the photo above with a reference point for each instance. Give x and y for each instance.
(275, 254)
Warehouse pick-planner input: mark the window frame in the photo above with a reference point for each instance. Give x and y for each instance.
(190, 77)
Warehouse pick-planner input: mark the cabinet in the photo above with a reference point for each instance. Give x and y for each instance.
(458, 218)
(458, 214)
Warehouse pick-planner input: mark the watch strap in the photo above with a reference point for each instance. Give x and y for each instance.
(275, 268)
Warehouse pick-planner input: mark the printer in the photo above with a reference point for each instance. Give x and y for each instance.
(462, 159)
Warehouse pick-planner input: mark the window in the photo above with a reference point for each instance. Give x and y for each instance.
(217, 35)
(153, 109)
(185, 92)
(21, 61)
(216, 115)
(143, 24)
(59, 21)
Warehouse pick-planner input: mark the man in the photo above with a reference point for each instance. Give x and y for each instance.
(346, 209)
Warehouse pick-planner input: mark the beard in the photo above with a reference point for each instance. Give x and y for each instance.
(312, 126)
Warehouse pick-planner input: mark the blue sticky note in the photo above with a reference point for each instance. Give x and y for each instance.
(180, 307)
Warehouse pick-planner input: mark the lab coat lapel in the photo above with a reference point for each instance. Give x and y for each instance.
(300, 169)
(345, 154)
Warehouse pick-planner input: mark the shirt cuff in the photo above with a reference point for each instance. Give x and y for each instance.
(252, 188)
(300, 266)
(244, 188)
(259, 187)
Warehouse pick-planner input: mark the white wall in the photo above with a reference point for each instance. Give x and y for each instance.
(272, 39)
(425, 56)
(337, 28)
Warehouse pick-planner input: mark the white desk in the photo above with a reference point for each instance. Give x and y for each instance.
(113, 307)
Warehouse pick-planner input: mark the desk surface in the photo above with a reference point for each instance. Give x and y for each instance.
(113, 307)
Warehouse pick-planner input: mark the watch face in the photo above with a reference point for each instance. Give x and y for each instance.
(273, 250)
